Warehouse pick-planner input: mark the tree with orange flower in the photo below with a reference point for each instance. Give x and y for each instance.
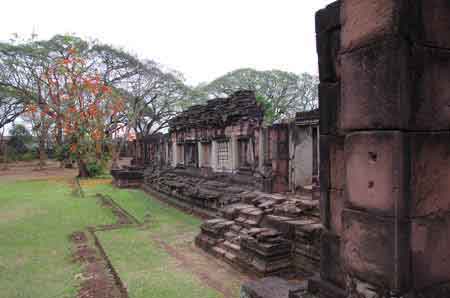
(77, 96)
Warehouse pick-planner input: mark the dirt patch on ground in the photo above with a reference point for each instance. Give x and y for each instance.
(98, 278)
(29, 171)
(123, 217)
(212, 272)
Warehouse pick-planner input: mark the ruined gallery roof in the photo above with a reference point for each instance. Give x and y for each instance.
(158, 137)
(220, 112)
(307, 118)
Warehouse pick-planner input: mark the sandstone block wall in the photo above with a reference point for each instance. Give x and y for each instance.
(385, 147)
(332, 161)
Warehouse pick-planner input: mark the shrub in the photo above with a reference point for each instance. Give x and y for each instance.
(94, 168)
(28, 156)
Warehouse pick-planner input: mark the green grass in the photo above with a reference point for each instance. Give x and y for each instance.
(147, 270)
(36, 219)
(145, 267)
(164, 220)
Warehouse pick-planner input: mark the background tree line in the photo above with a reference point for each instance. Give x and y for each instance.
(88, 97)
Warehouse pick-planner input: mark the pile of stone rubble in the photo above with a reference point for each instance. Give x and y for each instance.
(193, 190)
(219, 112)
(266, 234)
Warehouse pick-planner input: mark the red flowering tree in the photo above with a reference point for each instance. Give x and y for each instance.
(75, 97)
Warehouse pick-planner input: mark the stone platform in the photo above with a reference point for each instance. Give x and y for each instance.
(128, 176)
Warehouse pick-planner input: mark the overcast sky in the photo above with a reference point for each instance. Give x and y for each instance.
(203, 39)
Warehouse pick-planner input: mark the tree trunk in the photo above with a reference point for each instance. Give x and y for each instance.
(4, 143)
(116, 150)
(82, 169)
(59, 138)
(42, 154)
(5, 156)
(137, 150)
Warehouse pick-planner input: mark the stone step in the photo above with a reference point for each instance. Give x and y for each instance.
(231, 236)
(220, 252)
(231, 246)
(271, 287)
(230, 257)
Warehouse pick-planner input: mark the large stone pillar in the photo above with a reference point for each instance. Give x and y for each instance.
(332, 163)
(385, 148)
(233, 157)
(214, 155)
(200, 154)
(174, 154)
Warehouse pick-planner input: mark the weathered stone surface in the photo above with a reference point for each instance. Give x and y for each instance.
(323, 289)
(430, 173)
(329, 18)
(336, 207)
(325, 208)
(377, 169)
(332, 164)
(337, 163)
(432, 22)
(436, 291)
(369, 21)
(376, 249)
(430, 242)
(306, 256)
(266, 234)
(270, 287)
(328, 45)
(193, 189)
(132, 177)
(325, 162)
(331, 268)
(431, 98)
(329, 101)
(220, 112)
(376, 87)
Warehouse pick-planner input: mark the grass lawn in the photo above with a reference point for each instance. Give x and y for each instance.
(156, 260)
(36, 219)
(145, 267)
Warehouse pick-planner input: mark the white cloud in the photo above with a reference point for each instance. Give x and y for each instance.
(201, 38)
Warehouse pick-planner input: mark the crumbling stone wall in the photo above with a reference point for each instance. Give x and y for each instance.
(224, 128)
(304, 151)
(227, 136)
(385, 148)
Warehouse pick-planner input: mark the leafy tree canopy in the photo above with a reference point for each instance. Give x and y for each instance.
(282, 93)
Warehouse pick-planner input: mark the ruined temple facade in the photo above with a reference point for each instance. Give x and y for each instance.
(227, 136)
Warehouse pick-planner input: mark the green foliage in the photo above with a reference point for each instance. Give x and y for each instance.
(267, 105)
(95, 168)
(62, 152)
(20, 140)
(29, 156)
(283, 93)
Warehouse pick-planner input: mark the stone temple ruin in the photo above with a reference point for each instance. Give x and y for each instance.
(383, 229)
(259, 185)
